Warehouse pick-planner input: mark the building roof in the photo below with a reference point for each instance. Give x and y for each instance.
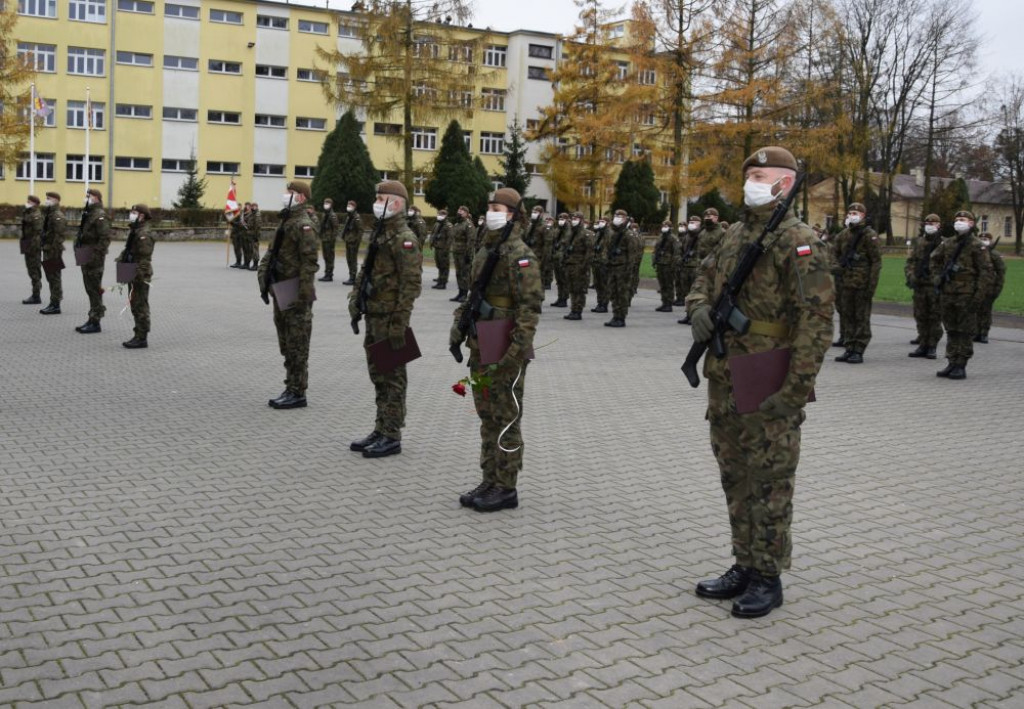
(980, 192)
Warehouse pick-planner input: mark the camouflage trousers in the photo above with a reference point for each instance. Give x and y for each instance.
(547, 271)
(55, 282)
(757, 457)
(960, 318)
(138, 299)
(685, 276)
(247, 252)
(461, 269)
(327, 245)
(92, 279)
(497, 408)
(854, 306)
(239, 247)
(352, 258)
(441, 259)
(620, 289)
(666, 283)
(636, 276)
(985, 316)
(254, 247)
(294, 328)
(927, 316)
(577, 278)
(600, 274)
(843, 324)
(34, 266)
(561, 280)
(390, 388)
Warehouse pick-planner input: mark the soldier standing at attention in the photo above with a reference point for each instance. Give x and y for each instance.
(789, 299)
(711, 234)
(533, 238)
(395, 280)
(462, 241)
(998, 279)
(31, 247)
(138, 249)
(293, 254)
(917, 271)
(598, 268)
(418, 226)
(441, 244)
(638, 260)
(565, 226)
(54, 233)
(665, 259)
(352, 235)
(621, 255)
(94, 231)
(963, 275)
(249, 261)
(859, 260)
(253, 227)
(236, 222)
(515, 293)
(689, 241)
(328, 238)
(578, 247)
(547, 259)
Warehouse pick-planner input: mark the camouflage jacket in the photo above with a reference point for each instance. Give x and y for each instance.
(139, 249)
(515, 289)
(599, 247)
(32, 229)
(998, 272)
(254, 223)
(622, 247)
(95, 232)
(352, 233)
(790, 286)
(328, 225)
(971, 275)
(689, 242)
(863, 261)
(297, 248)
(708, 240)
(55, 231)
(533, 237)
(440, 236)
(917, 270)
(579, 247)
(397, 275)
(463, 236)
(418, 227)
(239, 228)
(666, 251)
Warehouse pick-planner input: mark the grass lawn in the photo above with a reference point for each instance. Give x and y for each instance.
(892, 286)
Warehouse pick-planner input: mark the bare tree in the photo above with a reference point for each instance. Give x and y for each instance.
(1009, 147)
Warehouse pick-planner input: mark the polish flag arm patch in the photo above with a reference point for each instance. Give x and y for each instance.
(524, 262)
(803, 250)
(407, 245)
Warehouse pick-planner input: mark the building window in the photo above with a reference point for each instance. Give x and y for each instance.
(493, 99)
(38, 8)
(269, 121)
(537, 72)
(542, 51)
(425, 47)
(185, 12)
(460, 53)
(309, 75)
(267, 170)
(132, 110)
(621, 70)
(424, 138)
(77, 117)
(180, 114)
(983, 224)
(648, 118)
(306, 171)
(221, 168)
(583, 151)
(181, 63)
(305, 123)
(219, 66)
(75, 168)
(350, 29)
(134, 58)
(135, 6)
(87, 62)
(272, 22)
(467, 138)
(227, 117)
(41, 57)
(492, 143)
(1007, 227)
(173, 165)
(43, 167)
(272, 72)
(389, 129)
(313, 27)
(419, 184)
(647, 77)
(532, 124)
(226, 16)
(462, 99)
(617, 32)
(495, 55)
(50, 117)
(87, 10)
(125, 163)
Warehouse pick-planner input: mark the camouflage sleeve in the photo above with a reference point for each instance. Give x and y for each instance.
(528, 295)
(588, 248)
(938, 260)
(999, 272)
(102, 227)
(410, 275)
(36, 227)
(703, 285)
(874, 254)
(910, 267)
(309, 247)
(811, 295)
(986, 276)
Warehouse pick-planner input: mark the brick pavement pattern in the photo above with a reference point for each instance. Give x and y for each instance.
(167, 539)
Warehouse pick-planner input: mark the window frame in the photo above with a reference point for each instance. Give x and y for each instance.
(227, 17)
(268, 170)
(179, 67)
(90, 56)
(95, 168)
(88, 8)
(273, 120)
(40, 160)
(487, 138)
(310, 23)
(180, 15)
(270, 75)
(424, 138)
(49, 8)
(133, 158)
(493, 52)
(178, 118)
(305, 172)
(219, 167)
(139, 111)
(135, 4)
(223, 116)
(225, 64)
(270, 25)
(36, 53)
(99, 110)
(133, 55)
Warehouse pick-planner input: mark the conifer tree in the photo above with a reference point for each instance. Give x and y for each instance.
(513, 163)
(636, 192)
(191, 192)
(344, 169)
(455, 181)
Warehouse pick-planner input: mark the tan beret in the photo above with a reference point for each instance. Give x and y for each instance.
(932, 218)
(54, 195)
(710, 212)
(771, 156)
(393, 187)
(33, 199)
(143, 210)
(506, 196)
(95, 193)
(964, 213)
(301, 188)
(857, 207)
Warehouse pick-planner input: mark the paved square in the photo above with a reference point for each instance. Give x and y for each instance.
(165, 537)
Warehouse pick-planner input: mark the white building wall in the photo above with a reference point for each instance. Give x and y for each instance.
(527, 96)
(180, 89)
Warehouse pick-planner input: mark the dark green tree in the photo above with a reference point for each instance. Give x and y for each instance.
(485, 179)
(713, 198)
(946, 200)
(513, 163)
(192, 190)
(636, 192)
(454, 180)
(344, 169)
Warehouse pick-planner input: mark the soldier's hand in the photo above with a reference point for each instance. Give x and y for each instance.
(775, 406)
(454, 336)
(266, 298)
(396, 336)
(355, 325)
(353, 311)
(701, 324)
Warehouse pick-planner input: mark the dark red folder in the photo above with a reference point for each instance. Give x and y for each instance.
(126, 272)
(83, 255)
(53, 265)
(386, 359)
(493, 338)
(757, 376)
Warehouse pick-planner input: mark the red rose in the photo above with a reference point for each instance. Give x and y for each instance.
(459, 388)
(102, 290)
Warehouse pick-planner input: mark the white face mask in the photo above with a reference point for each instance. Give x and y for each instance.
(133, 217)
(575, 222)
(852, 219)
(666, 229)
(327, 205)
(618, 221)
(986, 242)
(286, 200)
(411, 213)
(535, 216)
(961, 227)
(682, 228)
(602, 224)
(758, 194)
(378, 209)
(93, 201)
(50, 203)
(693, 226)
(496, 220)
(29, 205)
(930, 229)
(350, 209)
(441, 217)
(561, 222)
(230, 216)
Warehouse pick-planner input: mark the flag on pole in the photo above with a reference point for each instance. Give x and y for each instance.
(88, 113)
(41, 107)
(231, 205)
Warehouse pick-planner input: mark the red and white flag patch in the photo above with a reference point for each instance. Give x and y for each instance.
(803, 250)
(524, 262)
(408, 245)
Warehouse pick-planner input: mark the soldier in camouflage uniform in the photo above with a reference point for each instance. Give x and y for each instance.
(710, 235)
(94, 232)
(515, 293)
(789, 299)
(396, 280)
(352, 235)
(998, 279)
(638, 261)
(917, 271)
(534, 237)
(463, 239)
(547, 258)
(249, 259)
(239, 236)
(565, 226)
(31, 247)
(293, 255)
(440, 241)
(328, 238)
(578, 251)
(478, 239)
(621, 255)
(964, 276)
(598, 267)
(417, 225)
(138, 249)
(253, 229)
(666, 259)
(689, 241)
(858, 259)
(54, 233)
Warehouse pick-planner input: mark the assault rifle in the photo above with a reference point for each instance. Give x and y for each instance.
(724, 313)
(438, 226)
(691, 246)
(270, 278)
(475, 302)
(365, 285)
(847, 259)
(951, 266)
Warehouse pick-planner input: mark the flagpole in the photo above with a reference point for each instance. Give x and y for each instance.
(32, 142)
(88, 129)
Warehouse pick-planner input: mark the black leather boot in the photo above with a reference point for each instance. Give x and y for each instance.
(496, 498)
(90, 327)
(983, 339)
(845, 356)
(284, 393)
(51, 309)
(364, 443)
(560, 303)
(350, 282)
(729, 585)
(573, 316)
(33, 299)
(291, 400)
(615, 322)
(855, 358)
(326, 278)
(678, 301)
(466, 498)
(921, 351)
(684, 321)
(945, 372)
(440, 285)
(916, 341)
(839, 343)
(958, 372)
(382, 447)
(763, 594)
(459, 297)
(666, 308)
(136, 343)
(931, 353)
(601, 308)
